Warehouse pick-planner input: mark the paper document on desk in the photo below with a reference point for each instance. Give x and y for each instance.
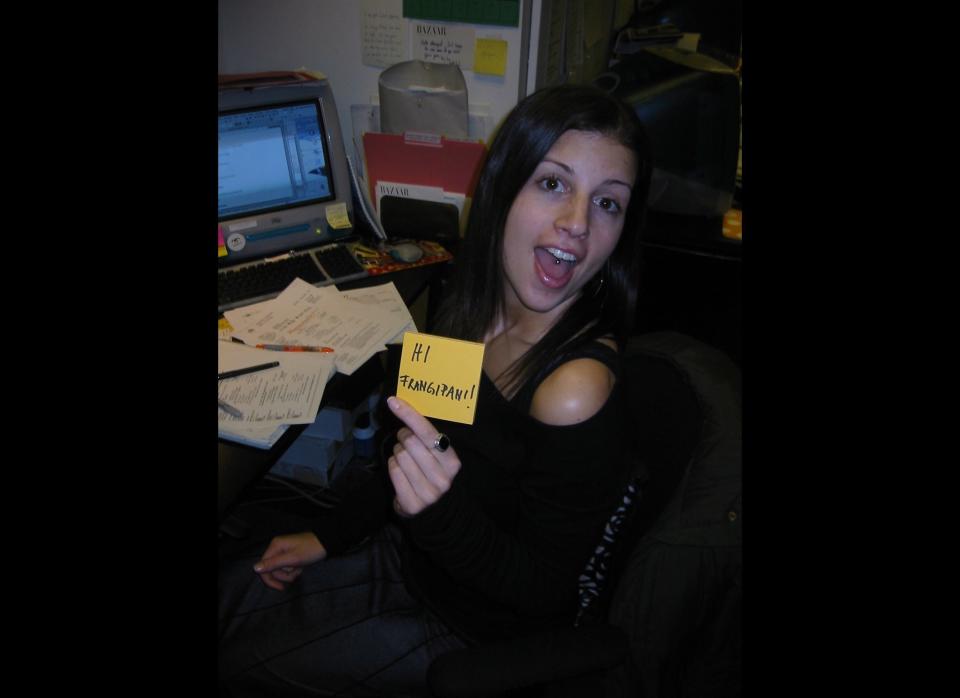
(308, 316)
(253, 321)
(386, 297)
(269, 399)
(258, 437)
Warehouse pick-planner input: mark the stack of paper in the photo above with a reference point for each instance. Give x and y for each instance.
(271, 399)
(355, 324)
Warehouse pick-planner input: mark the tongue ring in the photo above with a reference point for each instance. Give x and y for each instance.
(553, 266)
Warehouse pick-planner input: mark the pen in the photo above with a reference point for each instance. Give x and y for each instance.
(248, 369)
(229, 409)
(294, 347)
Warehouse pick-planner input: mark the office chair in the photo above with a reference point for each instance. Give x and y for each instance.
(666, 621)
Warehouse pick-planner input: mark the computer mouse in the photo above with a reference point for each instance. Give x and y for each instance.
(406, 252)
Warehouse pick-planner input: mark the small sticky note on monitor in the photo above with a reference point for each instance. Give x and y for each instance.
(337, 216)
(440, 376)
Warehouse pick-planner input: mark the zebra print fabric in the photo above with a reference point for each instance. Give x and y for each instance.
(595, 574)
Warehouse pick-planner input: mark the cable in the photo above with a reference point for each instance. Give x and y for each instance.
(302, 490)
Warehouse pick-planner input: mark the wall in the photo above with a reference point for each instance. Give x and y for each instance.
(325, 36)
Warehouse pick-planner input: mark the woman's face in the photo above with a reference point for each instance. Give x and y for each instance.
(566, 220)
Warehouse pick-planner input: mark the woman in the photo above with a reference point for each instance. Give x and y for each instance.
(494, 521)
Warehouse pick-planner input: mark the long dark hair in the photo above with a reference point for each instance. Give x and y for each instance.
(475, 298)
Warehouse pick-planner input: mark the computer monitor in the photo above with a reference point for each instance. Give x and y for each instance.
(690, 107)
(283, 179)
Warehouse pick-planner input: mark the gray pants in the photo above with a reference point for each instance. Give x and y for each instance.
(346, 627)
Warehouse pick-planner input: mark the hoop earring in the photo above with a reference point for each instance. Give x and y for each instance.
(600, 285)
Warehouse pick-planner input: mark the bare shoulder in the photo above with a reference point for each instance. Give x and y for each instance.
(572, 393)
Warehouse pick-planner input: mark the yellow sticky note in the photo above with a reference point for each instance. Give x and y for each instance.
(337, 216)
(440, 376)
(224, 329)
(733, 224)
(490, 57)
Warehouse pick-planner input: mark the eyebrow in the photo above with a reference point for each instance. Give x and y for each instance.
(569, 170)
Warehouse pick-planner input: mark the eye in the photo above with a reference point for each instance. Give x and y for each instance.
(551, 183)
(608, 205)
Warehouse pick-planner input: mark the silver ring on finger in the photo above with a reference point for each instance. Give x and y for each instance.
(441, 443)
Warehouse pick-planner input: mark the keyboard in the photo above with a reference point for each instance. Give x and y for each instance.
(258, 281)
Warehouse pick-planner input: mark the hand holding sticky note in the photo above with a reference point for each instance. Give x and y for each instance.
(440, 377)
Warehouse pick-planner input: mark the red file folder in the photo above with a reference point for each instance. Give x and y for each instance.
(424, 160)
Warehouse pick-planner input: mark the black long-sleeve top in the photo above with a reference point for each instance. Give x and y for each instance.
(500, 553)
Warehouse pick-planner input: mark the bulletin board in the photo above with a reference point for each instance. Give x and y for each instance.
(353, 42)
(505, 12)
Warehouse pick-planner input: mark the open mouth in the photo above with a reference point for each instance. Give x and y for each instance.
(562, 256)
(556, 265)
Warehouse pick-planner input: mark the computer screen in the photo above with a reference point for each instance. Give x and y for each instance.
(282, 177)
(271, 158)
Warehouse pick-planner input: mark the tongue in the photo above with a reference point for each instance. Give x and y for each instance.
(550, 267)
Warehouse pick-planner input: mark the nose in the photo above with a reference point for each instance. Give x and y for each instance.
(574, 216)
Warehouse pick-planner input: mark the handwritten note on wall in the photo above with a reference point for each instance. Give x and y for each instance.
(443, 43)
(440, 377)
(390, 35)
(383, 33)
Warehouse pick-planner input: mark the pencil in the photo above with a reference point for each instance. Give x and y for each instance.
(229, 409)
(294, 347)
(248, 369)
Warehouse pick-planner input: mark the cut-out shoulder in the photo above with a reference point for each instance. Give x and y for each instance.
(572, 393)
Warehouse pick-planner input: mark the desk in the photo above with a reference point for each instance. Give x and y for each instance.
(692, 235)
(239, 466)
